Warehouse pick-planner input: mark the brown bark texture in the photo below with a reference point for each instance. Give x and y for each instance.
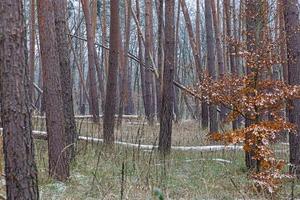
(60, 12)
(54, 105)
(291, 17)
(111, 87)
(94, 107)
(166, 117)
(211, 65)
(18, 148)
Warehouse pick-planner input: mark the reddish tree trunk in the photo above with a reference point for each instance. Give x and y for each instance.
(220, 58)
(54, 105)
(160, 55)
(111, 88)
(165, 133)
(94, 107)
(213, 114)
(20, 167)
(60, 13)
(125, 103)
(129, 105)
(148, 101)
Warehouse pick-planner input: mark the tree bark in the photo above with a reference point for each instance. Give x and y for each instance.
(20, 167)
(165, 133)
(219, 50)
(196, 53)
(160, 55)
(192, 39)
(94, 107)
(125, 103)
(230, 47)
(129, 105)
(140, 52)
(60, 13)
(54, 105)
(177, 60)
(291, 17)
(255, 23)
(213, 114)
(32, 47)
(283, 44)
(111, 88)
(148, 101)
(104, 37)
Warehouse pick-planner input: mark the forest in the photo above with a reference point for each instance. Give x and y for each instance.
(149, 99)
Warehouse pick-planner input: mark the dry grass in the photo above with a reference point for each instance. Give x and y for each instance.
(184, 133)
(97, 173)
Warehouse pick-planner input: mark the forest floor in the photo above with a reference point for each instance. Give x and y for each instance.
(138, 174)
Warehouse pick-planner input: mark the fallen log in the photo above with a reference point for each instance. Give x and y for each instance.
(90, 116)
(219, 160)
(42, 135)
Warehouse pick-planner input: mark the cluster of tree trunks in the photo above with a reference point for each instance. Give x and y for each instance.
(157, 70)
(55, 61)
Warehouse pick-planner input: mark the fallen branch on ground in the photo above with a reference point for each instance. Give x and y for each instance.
(42, 135)
(91, 116)
(219, 160)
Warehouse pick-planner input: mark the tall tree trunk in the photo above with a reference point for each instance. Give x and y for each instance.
(121, 77)
(283, 44)
(32, 48)
(94, 6)
(140, 52)
(220, 58)
(219, 52)
(148, 101)
(198, 43)
(54, 105)
(111, 88)
(291, 17)
(160, 55)
(165, 132)
(129, 105)
(176, 75)
(254, 28)
(94, 107)
(125, 100)
(100, 78)
(196, 53)
(20, 167)
(230, 47)
(104, 37)
(192, 38)
(60, 13)
(213, 114)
